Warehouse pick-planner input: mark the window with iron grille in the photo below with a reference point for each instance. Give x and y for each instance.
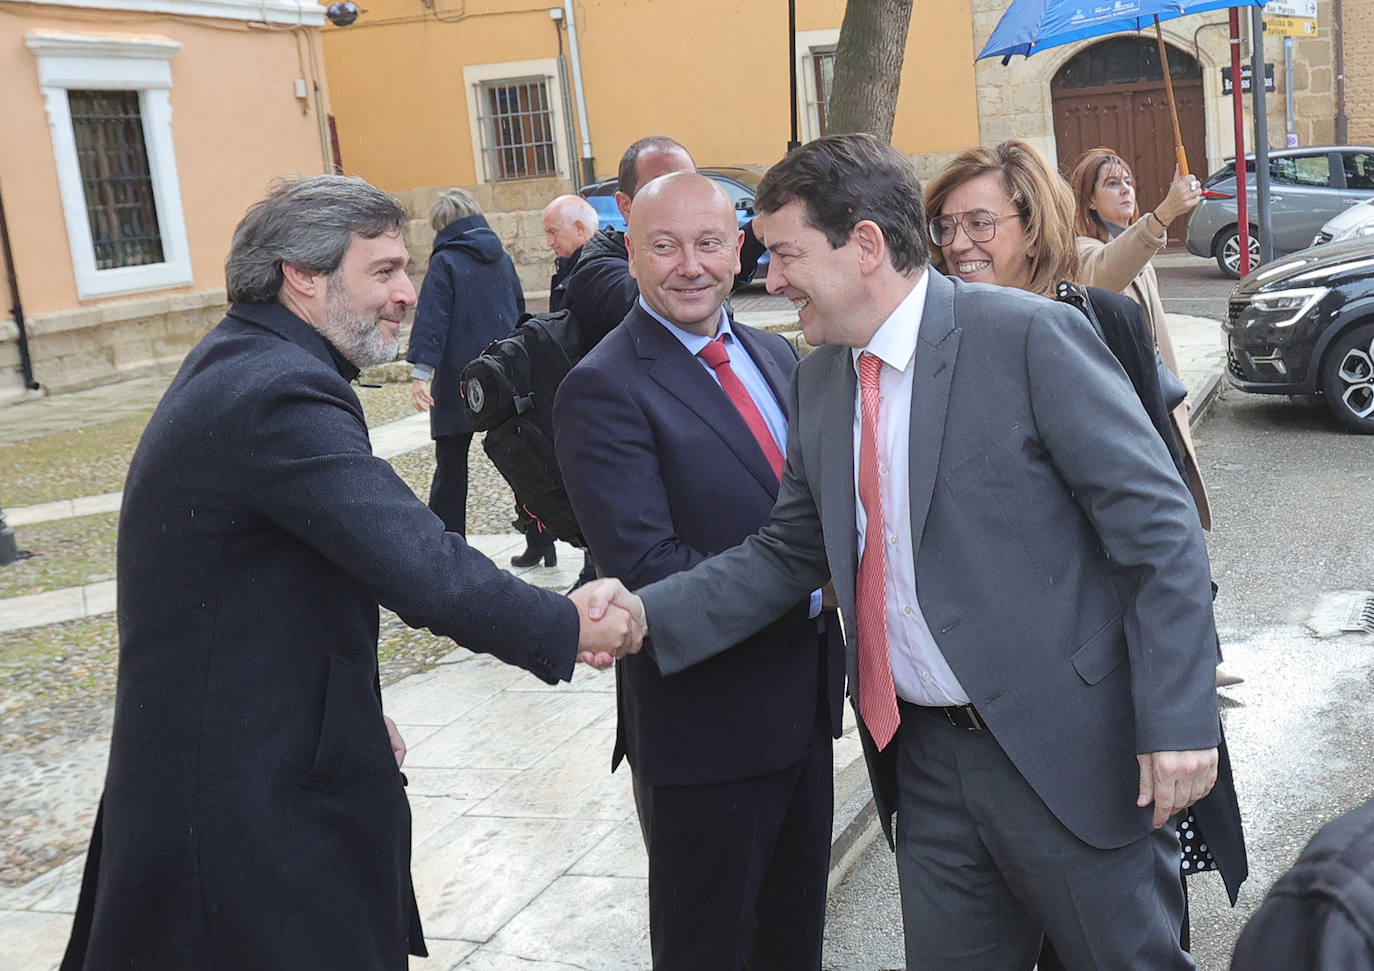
(823, 69)
(115, 178)
(517, 129)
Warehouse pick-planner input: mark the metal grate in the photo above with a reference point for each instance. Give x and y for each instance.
(115, 178)
(517, 129)
(1361, 616)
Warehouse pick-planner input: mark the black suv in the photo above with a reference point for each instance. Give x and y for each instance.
(1304, 325)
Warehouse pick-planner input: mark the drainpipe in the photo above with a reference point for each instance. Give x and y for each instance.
(588, 159)
(16, 308)
(1342, 121)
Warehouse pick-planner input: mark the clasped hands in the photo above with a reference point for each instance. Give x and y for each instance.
(611, 622)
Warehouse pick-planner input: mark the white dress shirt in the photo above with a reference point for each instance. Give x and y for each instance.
(919, 671)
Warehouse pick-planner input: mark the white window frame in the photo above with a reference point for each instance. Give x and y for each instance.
(83, 62)
(291, 13)
(810, 43)
(545, 69)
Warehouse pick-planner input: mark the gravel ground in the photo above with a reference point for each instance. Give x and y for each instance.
(62, 553)
(59, 680)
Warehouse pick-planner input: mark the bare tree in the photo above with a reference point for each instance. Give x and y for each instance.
(868, 67)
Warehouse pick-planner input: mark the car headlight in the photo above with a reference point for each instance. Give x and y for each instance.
(1359, 231)
(1290, 305)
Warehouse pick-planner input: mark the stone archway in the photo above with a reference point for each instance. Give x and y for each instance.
(1112, 93)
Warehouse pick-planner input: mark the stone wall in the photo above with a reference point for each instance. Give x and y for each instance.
(515, 212)
(1359, 73)
(89, 346)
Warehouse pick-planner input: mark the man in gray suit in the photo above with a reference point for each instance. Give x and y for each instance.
(1021, 572)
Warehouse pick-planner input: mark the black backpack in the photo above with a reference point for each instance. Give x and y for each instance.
(509, 390)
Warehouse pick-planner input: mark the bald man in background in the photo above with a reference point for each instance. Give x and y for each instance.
(569, 221)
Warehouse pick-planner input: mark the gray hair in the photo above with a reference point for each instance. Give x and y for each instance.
(306, 222)
(453, 204)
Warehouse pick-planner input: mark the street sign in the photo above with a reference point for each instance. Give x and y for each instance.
(1245, 78)
(1290, 27)
(1305, 9)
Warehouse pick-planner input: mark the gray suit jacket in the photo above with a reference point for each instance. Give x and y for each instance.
(1059, 560)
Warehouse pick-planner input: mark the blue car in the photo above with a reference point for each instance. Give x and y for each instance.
(740, 184)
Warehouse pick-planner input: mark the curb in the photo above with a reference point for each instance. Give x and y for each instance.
(1211, 391)
(855, 823)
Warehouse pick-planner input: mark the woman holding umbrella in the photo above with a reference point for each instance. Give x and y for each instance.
(1001, 215)
(1115, 245)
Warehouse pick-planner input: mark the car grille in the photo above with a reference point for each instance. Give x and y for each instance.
(1234, 367)
(1235, 308)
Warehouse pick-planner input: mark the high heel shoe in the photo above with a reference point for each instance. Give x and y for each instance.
(533, 554)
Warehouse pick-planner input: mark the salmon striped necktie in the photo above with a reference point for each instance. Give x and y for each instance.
(718, 357)
(877, 695)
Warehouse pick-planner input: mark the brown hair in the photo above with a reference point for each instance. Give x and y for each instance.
(1083, 181)
(1040, 196)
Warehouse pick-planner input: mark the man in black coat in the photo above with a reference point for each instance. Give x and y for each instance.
(253, 814)
(471, 296)
(732, 759)
(569, 221)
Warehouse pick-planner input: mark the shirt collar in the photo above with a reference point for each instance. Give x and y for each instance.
(894, 343)
(693, 342)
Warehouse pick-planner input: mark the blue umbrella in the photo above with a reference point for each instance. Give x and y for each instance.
(1029, 26)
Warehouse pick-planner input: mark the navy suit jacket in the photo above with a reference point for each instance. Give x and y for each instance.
(663, 472)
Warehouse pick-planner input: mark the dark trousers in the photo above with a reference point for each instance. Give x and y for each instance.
(738, 870)
(985, 869)
(448, 493)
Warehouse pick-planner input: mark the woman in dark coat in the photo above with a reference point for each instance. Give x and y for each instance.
(471, 296)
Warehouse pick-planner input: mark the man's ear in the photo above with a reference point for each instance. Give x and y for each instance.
(630, 252)
(868, 236)
(300, 281)
(622, 202)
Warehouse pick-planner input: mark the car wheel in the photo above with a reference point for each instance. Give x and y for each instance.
(1227, 252)
(1348, 379)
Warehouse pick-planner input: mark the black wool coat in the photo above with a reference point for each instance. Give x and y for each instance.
(253, 814)
(471, 296)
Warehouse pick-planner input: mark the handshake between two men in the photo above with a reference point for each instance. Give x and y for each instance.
(611, 622)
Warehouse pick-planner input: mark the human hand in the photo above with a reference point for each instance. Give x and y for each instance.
(612, 622)
(829, 600)
(419, 395)
(1185, 192)
(1173, 781)
(398, 744)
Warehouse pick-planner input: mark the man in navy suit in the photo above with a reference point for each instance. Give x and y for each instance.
(670, 435)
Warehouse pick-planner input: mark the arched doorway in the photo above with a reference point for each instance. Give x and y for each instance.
(1113, 94)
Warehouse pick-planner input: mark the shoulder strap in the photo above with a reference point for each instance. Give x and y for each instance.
(1072, 293)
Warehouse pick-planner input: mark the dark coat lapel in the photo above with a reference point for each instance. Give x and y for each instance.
(937, 346)
(669, 364)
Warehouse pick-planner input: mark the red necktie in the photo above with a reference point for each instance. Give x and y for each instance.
(877, 696)
(718, 357)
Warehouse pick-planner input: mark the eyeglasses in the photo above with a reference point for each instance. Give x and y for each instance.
(980, 225)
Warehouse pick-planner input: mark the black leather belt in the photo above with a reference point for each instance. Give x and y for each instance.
(960, 716)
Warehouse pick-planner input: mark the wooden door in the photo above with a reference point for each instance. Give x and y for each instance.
(1131, 116)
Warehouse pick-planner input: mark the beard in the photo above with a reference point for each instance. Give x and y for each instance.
(358, 336)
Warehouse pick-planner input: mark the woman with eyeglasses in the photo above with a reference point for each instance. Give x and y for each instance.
(1001, 215)
(1115, 245)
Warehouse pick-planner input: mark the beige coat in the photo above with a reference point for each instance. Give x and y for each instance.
(1124, 265)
